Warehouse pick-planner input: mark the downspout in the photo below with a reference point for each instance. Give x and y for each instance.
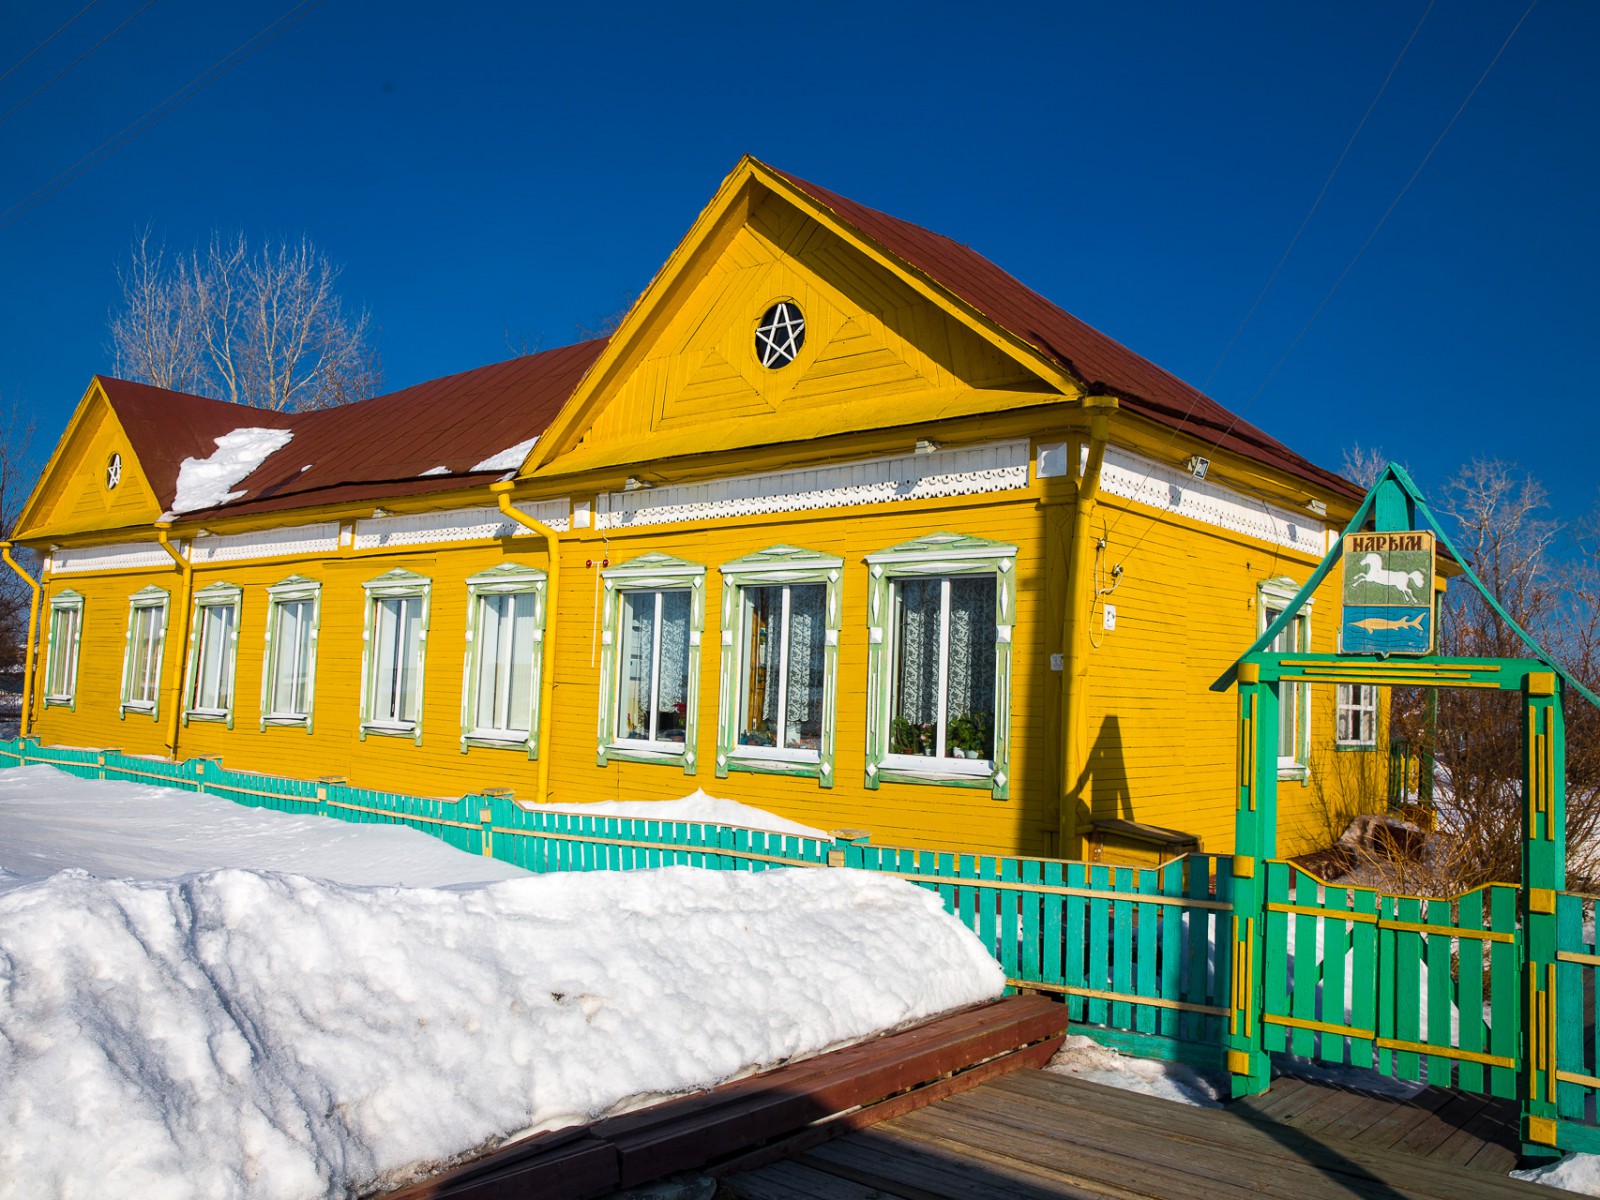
(547, 669)
(1075, 629)
(33, 633)
(184, 565)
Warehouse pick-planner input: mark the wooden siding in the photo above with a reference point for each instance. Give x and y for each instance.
(1163, 744)
(74, 498)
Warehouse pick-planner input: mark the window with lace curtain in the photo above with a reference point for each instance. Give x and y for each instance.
(61, 662)
(141, 663)
(394, 648)
(505, 660)
(780, 649)
(654, 612)
(939, 662)
(213, 646)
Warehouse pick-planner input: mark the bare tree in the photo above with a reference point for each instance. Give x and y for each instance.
(1363, 465)
(16, 478)
(263, 327)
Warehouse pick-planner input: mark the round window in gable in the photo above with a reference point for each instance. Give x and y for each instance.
(113, 472)
(780, 335)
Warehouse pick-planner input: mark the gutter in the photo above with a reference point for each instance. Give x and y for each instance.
(1075, 630)
(163, 528)
(547, 669)
(33, 632)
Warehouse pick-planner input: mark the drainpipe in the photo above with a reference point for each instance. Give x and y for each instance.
(1075, 629)
(33, 632)
(187, 567)
(547, 671)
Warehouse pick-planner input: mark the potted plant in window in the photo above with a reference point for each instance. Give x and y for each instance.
(970, 735)
(903, 736)
(928, 739)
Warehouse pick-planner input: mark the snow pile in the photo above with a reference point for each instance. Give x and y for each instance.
(51, 821)
(508, 459)
(1085, 1058)
(697, 807)
(1576, 1172)
(249, 1033)
(204, 482)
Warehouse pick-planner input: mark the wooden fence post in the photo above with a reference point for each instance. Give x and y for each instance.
(1255, 841)
(1544, 876)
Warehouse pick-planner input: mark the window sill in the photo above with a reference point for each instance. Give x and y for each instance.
(928, 764)
(139, 708)
(1290, 771)
(206, 714)
(675, 754)
(763, 760)
(405, 729)
(58, 701)
(1357, 747)
(493, 739)
(303, 719)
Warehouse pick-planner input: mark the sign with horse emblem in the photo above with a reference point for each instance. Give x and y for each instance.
(1388, 593)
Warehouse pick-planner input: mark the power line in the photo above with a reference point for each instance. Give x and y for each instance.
(1449, 125)
(262, 37)
(1317, 203)
(13, 67)
(47, 83)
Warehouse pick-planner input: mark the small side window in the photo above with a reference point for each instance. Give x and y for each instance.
(1357, 716)
(61, 661)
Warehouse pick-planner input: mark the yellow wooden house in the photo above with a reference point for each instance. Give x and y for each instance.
(843, 522)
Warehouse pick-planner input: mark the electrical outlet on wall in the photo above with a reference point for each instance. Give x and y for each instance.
(1111, 616)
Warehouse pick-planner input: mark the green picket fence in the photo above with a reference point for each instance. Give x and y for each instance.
(1132, 951)
(1394, 984)
(1575, 1021)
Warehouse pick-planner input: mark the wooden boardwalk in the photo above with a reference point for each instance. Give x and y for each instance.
(1034, 1134)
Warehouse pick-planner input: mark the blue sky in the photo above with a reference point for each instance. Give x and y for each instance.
(491, 173)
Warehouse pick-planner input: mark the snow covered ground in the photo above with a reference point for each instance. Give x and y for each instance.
(342, 1007)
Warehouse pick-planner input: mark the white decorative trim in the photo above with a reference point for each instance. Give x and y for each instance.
(455, 525)
(118, 556)
(287, 540)
(969, 470)
(1134, 477)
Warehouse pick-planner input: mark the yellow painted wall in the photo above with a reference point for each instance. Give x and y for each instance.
(1163, 744)
(74, 497)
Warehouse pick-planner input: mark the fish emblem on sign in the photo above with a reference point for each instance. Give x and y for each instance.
(1388, 593)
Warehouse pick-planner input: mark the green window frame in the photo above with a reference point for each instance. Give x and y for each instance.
(289, 661)
(652, 586)
(143, 648)
(1273, 596)
(769, 583)
(61, 659)
(498, 601)
(213, 654)
(939, 568)
(394, 653)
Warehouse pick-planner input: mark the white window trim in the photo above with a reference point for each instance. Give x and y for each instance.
(1279, 593)
(216, 595)
(504, 579)
(939, 554)
(294, 589)
(394, 585)
(649, 573)
(145, 598)
(777, 566)
(64, 601)
(1347, 699)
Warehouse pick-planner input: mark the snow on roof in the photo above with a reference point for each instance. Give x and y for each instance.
(205, 482)
(508, 459)
(249, 1032)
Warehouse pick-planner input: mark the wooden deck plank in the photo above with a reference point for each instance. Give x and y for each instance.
(1428, 1135)
(1279, 1093)
(912, 1171)
(791, 1181)
(1405, 1116)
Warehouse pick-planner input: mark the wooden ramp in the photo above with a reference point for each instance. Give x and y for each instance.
(1033, 1134)
(776, 1113)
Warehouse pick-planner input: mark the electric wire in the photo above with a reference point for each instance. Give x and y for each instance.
(6, 116)
(1172, 436)
(1406, 187)
(11, 70)
(261, 38)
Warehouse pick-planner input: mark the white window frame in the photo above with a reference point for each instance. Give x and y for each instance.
(1354, 699)
(937, 555)
(506, 579)
(777, 566)
(64, 655)
(296, 589)
(398, 584)
(1294, 698)
(216, 595)
(146, 599)
(649, 573)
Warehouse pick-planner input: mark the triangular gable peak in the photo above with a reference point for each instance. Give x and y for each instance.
(94, 479)
(684, 374)
(1394, 504)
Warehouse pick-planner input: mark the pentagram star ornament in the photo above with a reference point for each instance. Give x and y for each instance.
(113, 472)
(780, 335)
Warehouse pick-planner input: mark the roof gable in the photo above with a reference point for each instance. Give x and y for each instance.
(96, 479)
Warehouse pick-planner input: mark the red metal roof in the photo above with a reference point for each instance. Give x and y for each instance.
(1105, 365)
(370, 449)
